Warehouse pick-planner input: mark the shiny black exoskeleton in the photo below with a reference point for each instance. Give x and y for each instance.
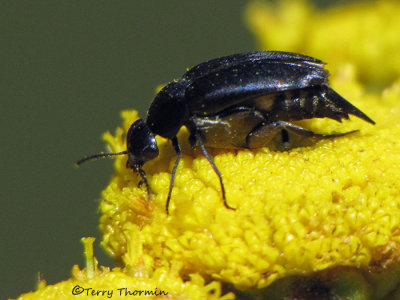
(237, 101)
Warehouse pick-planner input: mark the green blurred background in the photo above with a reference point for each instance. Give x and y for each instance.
(67, 69)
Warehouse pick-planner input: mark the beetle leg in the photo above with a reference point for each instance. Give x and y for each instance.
(263, 133)
(143, 179)
(311, 134)
(205, 153)
(227, 130)
(178, 151)
(285, 138)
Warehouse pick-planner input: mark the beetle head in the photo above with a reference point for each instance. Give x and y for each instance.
(141, 145)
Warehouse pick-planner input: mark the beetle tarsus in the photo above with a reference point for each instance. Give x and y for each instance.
(144, 181)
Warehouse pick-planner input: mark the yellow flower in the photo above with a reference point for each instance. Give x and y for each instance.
(335, 202)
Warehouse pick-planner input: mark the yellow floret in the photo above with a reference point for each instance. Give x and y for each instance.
(333, 203)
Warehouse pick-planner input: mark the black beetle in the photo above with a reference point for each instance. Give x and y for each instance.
(236, 101)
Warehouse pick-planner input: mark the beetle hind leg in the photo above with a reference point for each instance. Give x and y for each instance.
(285, 138)
(311, 134)
(264, 133)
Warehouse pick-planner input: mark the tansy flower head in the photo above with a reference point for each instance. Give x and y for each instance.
(334, 202)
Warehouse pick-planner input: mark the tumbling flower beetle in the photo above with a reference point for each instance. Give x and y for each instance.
(237, 101)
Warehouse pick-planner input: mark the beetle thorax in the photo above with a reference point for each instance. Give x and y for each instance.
(168, 112)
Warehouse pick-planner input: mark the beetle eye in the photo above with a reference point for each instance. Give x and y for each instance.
(141, 143)
(150, 151)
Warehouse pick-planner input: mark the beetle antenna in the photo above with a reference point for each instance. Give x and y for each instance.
(98, 155)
